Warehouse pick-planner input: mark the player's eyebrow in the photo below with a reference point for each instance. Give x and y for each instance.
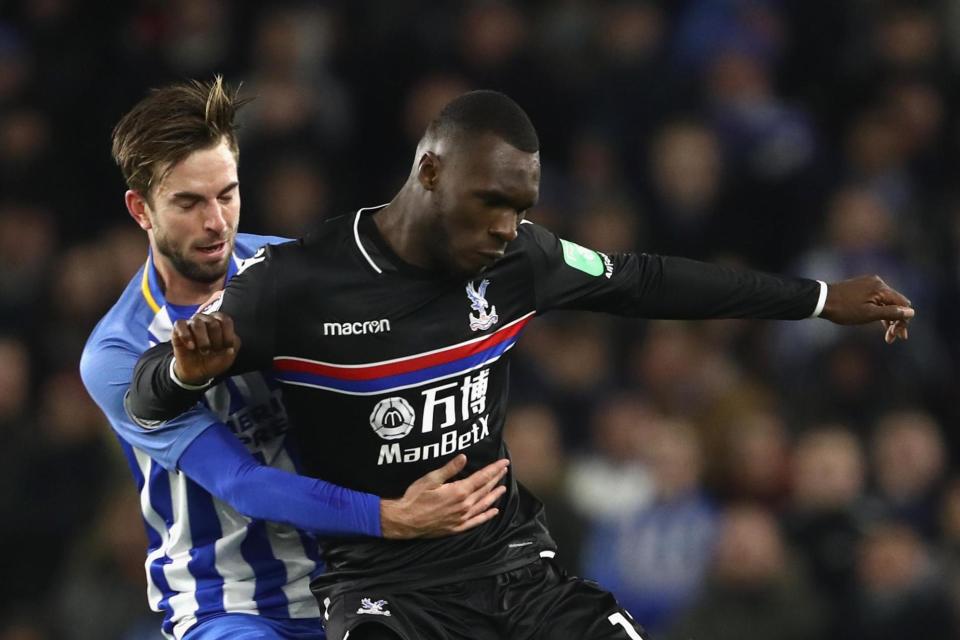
(495, 197)
(190, 195)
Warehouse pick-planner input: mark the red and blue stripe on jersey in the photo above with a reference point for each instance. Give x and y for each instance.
(400, 373)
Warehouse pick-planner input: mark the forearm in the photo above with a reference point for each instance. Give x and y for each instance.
(309, 504)
(154, 394)
(679, 288)
(220, 464)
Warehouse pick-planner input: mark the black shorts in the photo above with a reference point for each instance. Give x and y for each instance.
(536, 602)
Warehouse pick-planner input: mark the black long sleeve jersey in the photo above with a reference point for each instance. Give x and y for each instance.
(389, 370)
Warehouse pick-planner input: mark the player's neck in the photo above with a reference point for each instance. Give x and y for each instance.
(179, 289)
(405, 230)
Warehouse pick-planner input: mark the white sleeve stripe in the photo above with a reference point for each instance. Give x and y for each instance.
(821, 301)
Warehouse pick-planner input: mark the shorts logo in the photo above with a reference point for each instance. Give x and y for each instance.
(392, 418)
(478, 302)
(378, 608)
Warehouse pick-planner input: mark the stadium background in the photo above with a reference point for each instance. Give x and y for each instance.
(727, 479)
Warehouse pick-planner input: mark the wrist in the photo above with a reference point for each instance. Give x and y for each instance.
(392, 521)
(387, 508)
(183, 381)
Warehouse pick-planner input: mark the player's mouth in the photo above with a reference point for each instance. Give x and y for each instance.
(214, 250)
(490, 256)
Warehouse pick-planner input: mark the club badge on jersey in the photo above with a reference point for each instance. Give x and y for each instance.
(370, 607)
(478, 302)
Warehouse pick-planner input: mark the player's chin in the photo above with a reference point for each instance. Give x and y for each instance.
(209, 271)
(470, 271)
(481, 262)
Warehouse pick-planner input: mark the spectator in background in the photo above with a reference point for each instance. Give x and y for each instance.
(825, 515)
(27, 242)
(907, 37)
(876, 159)
(655, 556)
(686, 191)
(15, 65)
(27, 154)
(573, 363)
(65, 457)
(668, 363)
(100, 593)
(609, 224)
(948, 551)
(908, 459)
(614, 477)
(754, 592)
(595, 175)
(299, 101)
(23, 625)
(18, 428)
(292, 197)
(753, 458)
(628, 54)
(197, 35)
(900, 594)
(78, 293)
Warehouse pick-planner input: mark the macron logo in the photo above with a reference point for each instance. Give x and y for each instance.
(355, 328)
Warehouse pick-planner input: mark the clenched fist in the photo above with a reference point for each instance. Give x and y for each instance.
(204, 347)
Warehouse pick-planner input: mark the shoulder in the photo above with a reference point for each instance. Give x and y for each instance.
(121, 335)
(532, 237)
(130, 315)
(331, 231)
(248, 244)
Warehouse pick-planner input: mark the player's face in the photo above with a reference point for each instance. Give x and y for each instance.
(195, 212)
(484, 190)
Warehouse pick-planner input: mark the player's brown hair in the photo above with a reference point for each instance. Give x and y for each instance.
(170, 124)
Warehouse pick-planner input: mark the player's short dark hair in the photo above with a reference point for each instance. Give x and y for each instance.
(170, 124)
(487, 112)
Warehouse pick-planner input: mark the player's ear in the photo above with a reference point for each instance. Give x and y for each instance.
(428, 170)
(137, 207)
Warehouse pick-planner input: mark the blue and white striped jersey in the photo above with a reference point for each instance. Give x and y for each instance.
(204, 557)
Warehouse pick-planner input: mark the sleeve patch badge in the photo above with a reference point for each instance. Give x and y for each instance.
(581, 258)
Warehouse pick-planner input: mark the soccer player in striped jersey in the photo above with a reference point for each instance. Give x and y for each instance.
(400, 320)
(230, 525)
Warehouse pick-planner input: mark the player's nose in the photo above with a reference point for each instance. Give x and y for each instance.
(505, 226)
(214, 218)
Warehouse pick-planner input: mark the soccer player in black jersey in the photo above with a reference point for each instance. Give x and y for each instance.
(391, 330)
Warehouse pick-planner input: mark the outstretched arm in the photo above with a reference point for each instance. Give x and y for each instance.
(569, 276)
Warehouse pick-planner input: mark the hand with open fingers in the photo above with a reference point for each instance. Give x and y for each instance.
(204, 347)
(868, 299)
(432, 507)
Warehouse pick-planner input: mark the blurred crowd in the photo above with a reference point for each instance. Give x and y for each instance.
(727, 479)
